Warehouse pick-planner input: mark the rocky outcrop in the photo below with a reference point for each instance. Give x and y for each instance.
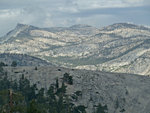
(120, 47)
(122, 93)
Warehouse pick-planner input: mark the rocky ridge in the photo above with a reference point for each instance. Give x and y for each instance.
(120, 47)
(22, 60)
(122, 93)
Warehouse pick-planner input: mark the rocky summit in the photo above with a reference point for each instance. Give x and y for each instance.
(120, 47)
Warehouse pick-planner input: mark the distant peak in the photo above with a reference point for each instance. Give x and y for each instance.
(80, 26)
(21, 25)
(130, 25)
(124, 25)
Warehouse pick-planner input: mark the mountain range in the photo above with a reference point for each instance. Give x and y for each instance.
(44, 55)
(121, 47)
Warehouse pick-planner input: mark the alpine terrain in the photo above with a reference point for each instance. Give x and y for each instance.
(77, 69)
(120, 47)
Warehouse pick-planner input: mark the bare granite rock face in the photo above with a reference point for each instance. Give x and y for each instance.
(120, 47)
(122, 93)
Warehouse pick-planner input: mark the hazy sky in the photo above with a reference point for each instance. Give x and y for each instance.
(51, 13)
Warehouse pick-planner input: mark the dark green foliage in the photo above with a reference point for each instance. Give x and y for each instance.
(57, 83)
(33, 107)
(35, 68)
(26, 98)
(117, 104)
(1, 69)
(123, 110)
(59, 102)
(14, 64)
(79, 109)
(59, 69)
(62, 90)
(2, 64)
(26, 89)
(55, 100)
(78, 93)
(68, 79)
(40, 96)
(15, 85)
(18, 101)
(74, 97)
(4, 83)
(51, 94)
(101, 109)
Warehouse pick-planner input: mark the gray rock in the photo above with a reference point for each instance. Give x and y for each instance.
(120, 47)
(118, 91)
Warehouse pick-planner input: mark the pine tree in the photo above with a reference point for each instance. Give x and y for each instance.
(33, 107)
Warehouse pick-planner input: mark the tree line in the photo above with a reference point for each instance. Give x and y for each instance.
(22, 97)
